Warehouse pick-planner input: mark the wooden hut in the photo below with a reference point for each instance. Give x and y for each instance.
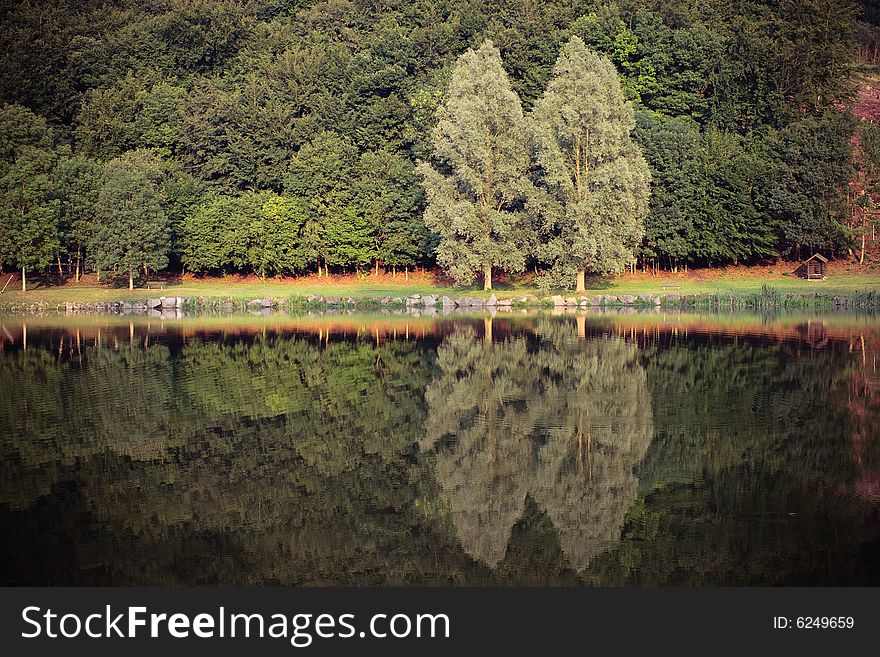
(814, 267)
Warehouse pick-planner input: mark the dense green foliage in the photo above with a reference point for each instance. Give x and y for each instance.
(332, 104)
(597, 181)
(476, 195)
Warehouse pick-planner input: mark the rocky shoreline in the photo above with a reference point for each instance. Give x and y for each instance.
(166, 305)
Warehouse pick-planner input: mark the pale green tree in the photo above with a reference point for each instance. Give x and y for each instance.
(595, 180)
(476, 190)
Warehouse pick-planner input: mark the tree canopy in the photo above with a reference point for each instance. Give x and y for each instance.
(740, 113)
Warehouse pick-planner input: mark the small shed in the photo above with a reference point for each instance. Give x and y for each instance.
(814, 267)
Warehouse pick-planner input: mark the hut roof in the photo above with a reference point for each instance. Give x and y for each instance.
(817, 256)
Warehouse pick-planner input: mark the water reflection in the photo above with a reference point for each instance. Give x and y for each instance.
(355, 450)
(561, 418)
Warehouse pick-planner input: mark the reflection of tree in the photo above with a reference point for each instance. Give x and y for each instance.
(276, 461)
(565, 418)
(741, 482)
(55, 414)
(481, 402)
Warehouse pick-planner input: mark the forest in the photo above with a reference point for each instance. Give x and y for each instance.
(285, 137)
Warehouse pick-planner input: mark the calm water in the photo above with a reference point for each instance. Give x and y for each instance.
(358, 450)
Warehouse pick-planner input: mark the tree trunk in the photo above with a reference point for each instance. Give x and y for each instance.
(487, 277)
(581, 287)
(406, 273)
(77, 269)
(23, 280)
(130, 281)
(862, 255)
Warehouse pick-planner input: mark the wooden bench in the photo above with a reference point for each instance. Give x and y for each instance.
(670, 285)
(155, 285)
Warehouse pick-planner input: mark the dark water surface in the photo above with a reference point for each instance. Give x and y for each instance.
(364, 450)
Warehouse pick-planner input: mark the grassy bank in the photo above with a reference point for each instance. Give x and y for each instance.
(714, 292)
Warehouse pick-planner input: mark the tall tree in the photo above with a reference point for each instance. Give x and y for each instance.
(388, 192)
(321, 176)
(132, 230)
(77, 184)
(805, 195)
(597, 181)
(29, 237)
(477, 190)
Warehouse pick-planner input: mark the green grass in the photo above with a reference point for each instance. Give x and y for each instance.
(370, 288)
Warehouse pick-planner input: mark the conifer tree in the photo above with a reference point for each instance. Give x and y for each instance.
(596, 182)
(476, 192)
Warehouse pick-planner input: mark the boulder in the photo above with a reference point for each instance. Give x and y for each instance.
(571, 302)
(492, 301)
(447, 302)
(268, 302)
(254, 303)
(429, 301)
(505, 303)
(627, 299)
(167, 302)
(557, 300)
(154, 303)
(595, 301)
(672, 298)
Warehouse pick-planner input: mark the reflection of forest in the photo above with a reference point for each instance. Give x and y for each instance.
(561, 418)
(275, 459)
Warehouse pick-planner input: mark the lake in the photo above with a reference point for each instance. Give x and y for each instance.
(516, 449)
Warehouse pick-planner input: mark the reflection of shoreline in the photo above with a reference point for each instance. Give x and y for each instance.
(803, 331)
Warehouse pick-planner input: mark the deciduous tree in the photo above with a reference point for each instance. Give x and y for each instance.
(476, 189)
(597, 181)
